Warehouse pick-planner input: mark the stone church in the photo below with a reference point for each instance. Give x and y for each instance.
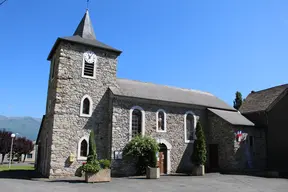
(84, 93)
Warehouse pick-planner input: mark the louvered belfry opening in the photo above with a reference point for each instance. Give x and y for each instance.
(89, 69)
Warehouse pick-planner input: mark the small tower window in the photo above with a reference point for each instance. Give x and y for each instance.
(83, 148)
(86, 106)
(52, 70)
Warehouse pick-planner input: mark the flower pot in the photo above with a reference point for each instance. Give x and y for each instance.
(198, 170)
(104, 175)
(152, 172)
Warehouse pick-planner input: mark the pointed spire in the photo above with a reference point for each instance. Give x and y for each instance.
(85, 28)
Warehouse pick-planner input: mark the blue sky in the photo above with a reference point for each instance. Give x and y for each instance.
(214, 46)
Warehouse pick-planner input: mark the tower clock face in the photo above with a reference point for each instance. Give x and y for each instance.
(90, 57)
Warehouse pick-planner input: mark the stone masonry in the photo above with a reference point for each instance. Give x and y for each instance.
(180, 152)
(232, 154)
(68, 126)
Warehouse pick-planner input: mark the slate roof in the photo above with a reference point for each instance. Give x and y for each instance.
(262, 100)
(85, 28)
(232, 117)
(137, 89)
(84, 34)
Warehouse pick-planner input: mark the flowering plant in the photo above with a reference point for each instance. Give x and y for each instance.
(91, 167)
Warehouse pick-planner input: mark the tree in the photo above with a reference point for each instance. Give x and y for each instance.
(199, 152)
(18, 147)
(92, 155)
(21, 146)
(5, 143)
(93, 165)
(28, 147)
(238, 100)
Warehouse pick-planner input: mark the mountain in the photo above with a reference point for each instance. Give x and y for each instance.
(26, 126)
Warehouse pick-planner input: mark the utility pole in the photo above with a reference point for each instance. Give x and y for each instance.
(11, 149)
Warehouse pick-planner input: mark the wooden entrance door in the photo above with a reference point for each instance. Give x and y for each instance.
(213, 157)
(162, 158)
(161, 162)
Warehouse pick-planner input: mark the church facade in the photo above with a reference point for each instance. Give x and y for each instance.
(84, 93)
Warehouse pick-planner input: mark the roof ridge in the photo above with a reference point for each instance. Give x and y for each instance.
(169, 86)
(282, 85)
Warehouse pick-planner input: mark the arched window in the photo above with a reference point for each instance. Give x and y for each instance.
(83, 148)
(160, 121)
(86, 106)
(137, 123)
(189, 127)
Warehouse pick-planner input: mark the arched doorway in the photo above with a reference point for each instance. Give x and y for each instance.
(162, 158)
(165, 148)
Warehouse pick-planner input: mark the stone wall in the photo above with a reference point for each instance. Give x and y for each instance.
(233, 155)
(68, 126)
(44, 146)
(180, 152)
(45, 137)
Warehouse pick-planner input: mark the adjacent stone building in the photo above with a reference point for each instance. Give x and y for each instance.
(268, 109)
(84, 93)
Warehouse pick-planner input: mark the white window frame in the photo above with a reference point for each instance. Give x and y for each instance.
(94, 69)
(90, 107)
(79, 157)
(158, 129)
(185, 128)
(142, 121)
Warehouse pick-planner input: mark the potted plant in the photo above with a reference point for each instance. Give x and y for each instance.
(143, 150)
(152, 170)
(199, 153)
(95, 171)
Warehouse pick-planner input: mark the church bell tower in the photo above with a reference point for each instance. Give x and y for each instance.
(82, 68)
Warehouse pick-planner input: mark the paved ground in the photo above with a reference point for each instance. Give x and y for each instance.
(208, 183)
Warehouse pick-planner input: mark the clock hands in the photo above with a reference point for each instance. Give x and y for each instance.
(90, 57)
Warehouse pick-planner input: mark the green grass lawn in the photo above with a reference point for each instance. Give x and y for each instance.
(16, 167)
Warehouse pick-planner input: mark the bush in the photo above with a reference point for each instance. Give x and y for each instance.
(143, 150)
(91, 167)
(199, 152)
(105, 163)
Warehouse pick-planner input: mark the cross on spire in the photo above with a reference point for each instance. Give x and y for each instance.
(87, 4)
